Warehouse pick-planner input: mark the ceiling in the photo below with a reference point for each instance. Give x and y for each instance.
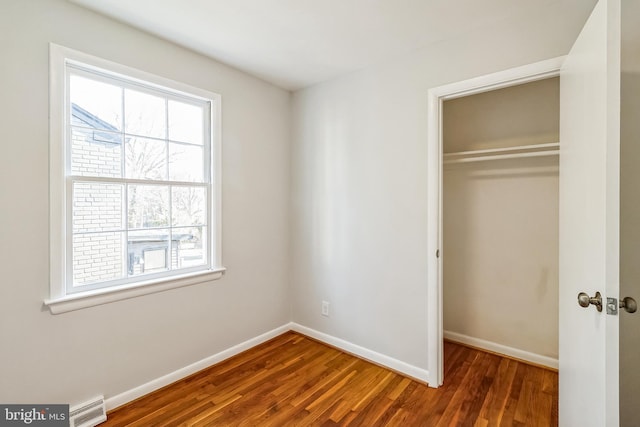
(297, 43)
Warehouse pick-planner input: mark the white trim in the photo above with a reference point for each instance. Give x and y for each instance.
(435, 363)
(72, 302)
(436, 96)
(57, 185)
(89, 62)
(364, 353)
(527, 356)
(153, 385)
(215, 170)
(501, 79)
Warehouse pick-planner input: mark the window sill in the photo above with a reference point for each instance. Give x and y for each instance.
(81, 300)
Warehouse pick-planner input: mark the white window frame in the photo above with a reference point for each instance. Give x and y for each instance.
(60, 299)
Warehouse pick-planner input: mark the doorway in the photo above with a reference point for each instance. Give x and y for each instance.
(500, 221)
(437, 98)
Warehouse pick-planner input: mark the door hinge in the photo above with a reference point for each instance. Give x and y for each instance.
(612, 306)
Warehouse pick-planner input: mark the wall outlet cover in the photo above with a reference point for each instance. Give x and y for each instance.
(325, 308)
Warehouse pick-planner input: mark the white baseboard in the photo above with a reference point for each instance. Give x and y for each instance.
(370, 355)
(134, 393)
(502, 349)
(375, 357)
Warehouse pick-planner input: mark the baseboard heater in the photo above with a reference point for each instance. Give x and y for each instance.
(88, 414)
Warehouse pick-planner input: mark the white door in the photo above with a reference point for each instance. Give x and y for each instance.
(589, 220)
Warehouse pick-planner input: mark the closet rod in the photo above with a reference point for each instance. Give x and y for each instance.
(504, 149)
(503, 156)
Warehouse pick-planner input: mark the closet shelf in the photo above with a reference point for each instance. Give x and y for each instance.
(533, 150)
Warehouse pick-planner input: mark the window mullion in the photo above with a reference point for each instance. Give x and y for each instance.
(136, 181)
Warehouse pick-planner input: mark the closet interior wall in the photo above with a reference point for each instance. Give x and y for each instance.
(500, 219)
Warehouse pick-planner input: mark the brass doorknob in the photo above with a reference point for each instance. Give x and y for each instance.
(584, 300)
(629, 304)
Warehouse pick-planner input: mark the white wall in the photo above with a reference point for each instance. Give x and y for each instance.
(112, 348)
(501, 254)
(359, 237)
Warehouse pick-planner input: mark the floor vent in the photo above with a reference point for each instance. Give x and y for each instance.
(88, 414)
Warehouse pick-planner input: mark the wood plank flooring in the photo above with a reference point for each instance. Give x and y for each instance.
(293, 380)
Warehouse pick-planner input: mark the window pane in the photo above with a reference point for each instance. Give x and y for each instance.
(148, 251)
(145, 158)
(148, 206)
(189, 247)
(95, 104)
(97, 257)
(188, 206)
(186, 163)
(97, 207)
(96, 153)
(144, 114)
(185, 122)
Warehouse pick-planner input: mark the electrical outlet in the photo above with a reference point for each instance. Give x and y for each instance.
(325, 308)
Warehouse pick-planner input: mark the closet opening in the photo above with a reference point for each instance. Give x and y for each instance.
(493, 169)
(500, 221)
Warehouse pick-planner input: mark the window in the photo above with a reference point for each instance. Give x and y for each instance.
(135, 185)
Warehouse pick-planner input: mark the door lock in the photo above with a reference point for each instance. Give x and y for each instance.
(628, 304)
(584, 300)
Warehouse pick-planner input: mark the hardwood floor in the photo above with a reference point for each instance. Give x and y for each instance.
(293, 380)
